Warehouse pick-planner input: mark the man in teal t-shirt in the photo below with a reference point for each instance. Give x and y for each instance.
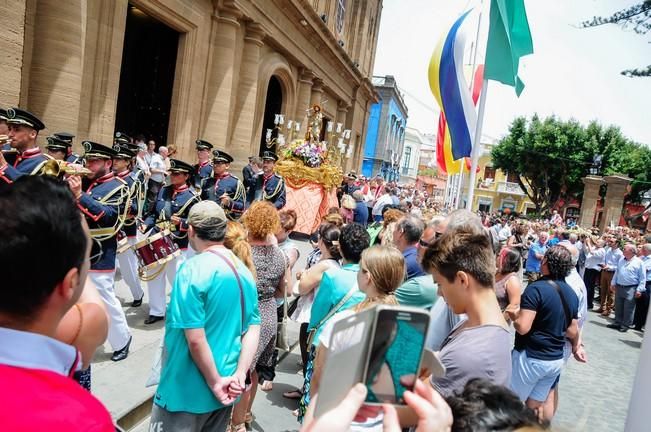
(211, 335)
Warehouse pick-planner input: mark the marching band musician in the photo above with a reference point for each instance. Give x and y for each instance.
(127, 259)
(170, 212)
(223, 187)
(58, 149)
(102, 198)
(67, 137)
(23, 129)
(269, 186)
(203, 169)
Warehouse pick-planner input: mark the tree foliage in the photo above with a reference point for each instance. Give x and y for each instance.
(636, 17)
(551, 157)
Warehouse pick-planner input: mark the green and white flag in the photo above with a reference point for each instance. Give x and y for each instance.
(509, 38)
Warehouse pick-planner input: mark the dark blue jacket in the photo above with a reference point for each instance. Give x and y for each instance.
(103, 203)
(135, 182)
(360, 214)
(212, 189)
(271, 189)
(28, 163)
(169, 203)
(201, 173)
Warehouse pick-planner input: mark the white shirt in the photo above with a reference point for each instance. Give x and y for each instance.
(576, 283)
(157, 163)
(594, 258)
(504, 233)
(385, 199)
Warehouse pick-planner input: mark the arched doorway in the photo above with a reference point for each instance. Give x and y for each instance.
(273, 105)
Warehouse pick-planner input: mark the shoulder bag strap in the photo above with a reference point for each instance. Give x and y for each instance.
(335, 309)
(239, 282)
(566, 308)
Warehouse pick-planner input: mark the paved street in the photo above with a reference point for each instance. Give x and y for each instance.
(593, 396)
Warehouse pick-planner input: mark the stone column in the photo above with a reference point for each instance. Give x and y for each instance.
(102, 63)
(242, 145)
(305, 82)
(56, 67)
(614, 200)
(12, 38)
(590, 198)
(221, 79)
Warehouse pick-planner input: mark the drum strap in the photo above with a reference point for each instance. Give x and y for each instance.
(239, 282)
(96, 232)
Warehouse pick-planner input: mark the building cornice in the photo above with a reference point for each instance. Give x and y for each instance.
(316, 35)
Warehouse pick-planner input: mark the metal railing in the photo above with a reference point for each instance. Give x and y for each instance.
(510, 188)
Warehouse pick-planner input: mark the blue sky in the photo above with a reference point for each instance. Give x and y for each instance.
(573, 73)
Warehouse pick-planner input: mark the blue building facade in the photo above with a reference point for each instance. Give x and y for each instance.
(385, 132)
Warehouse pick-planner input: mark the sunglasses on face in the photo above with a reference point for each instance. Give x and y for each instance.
(425, 244)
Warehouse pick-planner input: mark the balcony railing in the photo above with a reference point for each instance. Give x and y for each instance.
(509, 188)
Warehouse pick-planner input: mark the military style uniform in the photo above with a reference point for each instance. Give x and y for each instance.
(269, 187)
(214, 188)
(30, 161)
(202, 170)
(103, 202)
(348, 188)
(127, 259)
(171, 201)
(67, 137)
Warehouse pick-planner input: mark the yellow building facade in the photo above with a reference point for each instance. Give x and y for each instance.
(496, 190)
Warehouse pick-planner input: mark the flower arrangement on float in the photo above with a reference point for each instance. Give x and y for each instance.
(310, 160)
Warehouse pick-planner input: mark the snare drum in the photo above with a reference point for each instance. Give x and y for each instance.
(123, 242)
(155, 250)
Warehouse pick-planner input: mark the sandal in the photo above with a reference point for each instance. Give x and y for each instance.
(293, 394)
(248, 420)
(240, 427)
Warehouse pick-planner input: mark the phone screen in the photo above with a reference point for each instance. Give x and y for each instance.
(395, 355)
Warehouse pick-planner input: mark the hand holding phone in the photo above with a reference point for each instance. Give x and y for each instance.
(395, 355)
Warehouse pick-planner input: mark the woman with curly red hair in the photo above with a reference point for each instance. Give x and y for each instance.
(262, 221)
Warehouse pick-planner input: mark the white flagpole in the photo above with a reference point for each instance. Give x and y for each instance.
(480, 117)
(476, 145)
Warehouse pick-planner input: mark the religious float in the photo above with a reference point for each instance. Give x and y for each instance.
(311, 166)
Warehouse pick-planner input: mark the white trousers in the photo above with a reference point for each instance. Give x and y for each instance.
(118, 334)
(157, 287)
(129, 269)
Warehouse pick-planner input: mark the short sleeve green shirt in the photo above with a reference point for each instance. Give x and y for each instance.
(205, 295)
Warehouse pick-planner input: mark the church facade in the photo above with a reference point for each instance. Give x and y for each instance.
(180, 70)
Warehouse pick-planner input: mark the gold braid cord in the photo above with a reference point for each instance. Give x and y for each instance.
(119, 196)
(147, 277)
(297, 174)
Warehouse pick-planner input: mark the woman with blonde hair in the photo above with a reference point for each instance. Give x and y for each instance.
(261, 221)
(391, 217)
(236, 241)
(381, 271)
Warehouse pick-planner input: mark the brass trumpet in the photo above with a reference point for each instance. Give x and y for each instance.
(57, 168)
(4, 139)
